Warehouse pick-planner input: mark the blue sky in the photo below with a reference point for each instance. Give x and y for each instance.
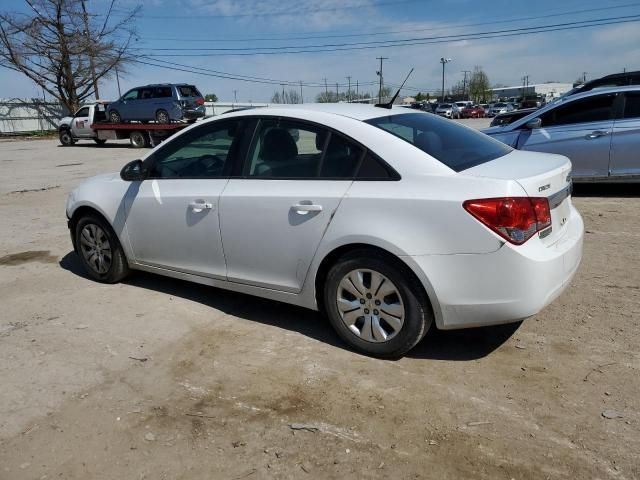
(233, 24)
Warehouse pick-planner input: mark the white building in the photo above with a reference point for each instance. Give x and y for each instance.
(548, 90)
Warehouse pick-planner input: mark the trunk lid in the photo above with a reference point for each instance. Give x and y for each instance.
(540, 175)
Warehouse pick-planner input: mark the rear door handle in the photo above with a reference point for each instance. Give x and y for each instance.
(303, 208)
(597, 134)
(200, 206)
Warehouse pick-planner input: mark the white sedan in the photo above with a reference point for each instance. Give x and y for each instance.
(387, 220)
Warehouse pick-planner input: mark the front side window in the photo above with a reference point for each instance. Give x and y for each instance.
(132, 95)
(83, 112)
(452, 144)
(205, 152)
(291, 149)
(592, 109)
(632, 105)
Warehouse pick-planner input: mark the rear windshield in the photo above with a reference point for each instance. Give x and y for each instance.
(456, 146)
(188, 91)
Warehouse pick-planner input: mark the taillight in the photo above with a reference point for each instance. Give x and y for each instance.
(199, 101)
(516, 219)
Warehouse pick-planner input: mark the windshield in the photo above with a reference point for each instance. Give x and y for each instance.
(500, 105)
(445, 105)
(456, 146)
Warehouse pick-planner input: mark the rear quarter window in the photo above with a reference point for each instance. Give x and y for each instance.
(452, 144)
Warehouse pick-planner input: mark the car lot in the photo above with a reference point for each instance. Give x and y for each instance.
(157, 378)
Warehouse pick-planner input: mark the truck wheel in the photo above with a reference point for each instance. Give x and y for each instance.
(139, 139)
(66, 139)
(162, 116)
(100, 141)
(114, 116)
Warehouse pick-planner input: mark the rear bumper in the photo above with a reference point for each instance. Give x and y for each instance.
(190, 114)
(504, 286)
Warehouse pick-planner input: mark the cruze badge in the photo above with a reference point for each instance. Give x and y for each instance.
(544, 187)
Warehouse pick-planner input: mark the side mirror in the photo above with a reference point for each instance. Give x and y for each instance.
(133, 171)
(534, 123)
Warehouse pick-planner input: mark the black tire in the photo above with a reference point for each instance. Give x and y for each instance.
(118, 267)
(162, 116)
(100, 141)
(114, 116)
(66, 139)
(191, 120)
(139, 139)
(418, 316)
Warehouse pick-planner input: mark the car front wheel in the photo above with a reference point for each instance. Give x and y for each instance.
(100, 251)
(376, 305)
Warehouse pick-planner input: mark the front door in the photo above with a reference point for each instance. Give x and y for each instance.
(172, 219)
(625, 145)
(80, 126)
(274, 217)
(581, 130)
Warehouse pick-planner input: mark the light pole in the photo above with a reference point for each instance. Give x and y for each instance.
(443, 61)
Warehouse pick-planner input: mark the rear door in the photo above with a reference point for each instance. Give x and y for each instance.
(274, 215)
(581, 130)
(625, 144)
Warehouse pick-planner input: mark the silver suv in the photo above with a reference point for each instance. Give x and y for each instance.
(162, 103)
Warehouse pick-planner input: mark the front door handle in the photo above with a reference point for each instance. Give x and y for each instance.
(200, 206)
(304, 208)
(597, 134)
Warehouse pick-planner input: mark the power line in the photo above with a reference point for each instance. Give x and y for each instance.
(405, 42)
(389, 32)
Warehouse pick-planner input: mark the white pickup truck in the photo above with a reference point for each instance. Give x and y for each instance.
(90, 123)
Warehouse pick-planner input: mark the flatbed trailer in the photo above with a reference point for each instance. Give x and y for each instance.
(89, 123)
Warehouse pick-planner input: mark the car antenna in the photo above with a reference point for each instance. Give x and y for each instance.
(390, 103)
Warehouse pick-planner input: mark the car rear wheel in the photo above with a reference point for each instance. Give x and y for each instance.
(139, 139)
(100, 141)
(114, 116)
(162, 116)
(66, 139)
(376, 305)
(100, 251)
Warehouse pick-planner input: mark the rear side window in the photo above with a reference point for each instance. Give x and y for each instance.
(456, 146)
(632, 105)
(188, 91)
(592, 109)
(162, 92)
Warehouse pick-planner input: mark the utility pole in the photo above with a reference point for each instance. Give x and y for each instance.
(301, 97)
(235, 97)
(349, 89)
(337, 94)
(464, 84)
(584, 77)
(92, 66)
(443, 61)
(357, 93)
(282, 85)
(118, 80)
(326, 90)
(379, 72)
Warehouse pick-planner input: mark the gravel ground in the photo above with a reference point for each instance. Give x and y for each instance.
(161, 379)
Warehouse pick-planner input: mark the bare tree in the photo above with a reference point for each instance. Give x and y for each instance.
(292, 96)
(65, 49)
(479, 86)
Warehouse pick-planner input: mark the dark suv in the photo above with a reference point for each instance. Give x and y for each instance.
(162, 103)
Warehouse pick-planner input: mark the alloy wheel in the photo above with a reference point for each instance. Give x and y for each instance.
(96, 248)
(370, 305)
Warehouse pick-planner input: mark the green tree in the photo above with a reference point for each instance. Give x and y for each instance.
(210, 97)
(479, 86)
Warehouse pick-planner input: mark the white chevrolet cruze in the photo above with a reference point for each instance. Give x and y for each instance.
(387, 220)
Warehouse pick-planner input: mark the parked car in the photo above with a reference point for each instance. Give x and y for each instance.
(163, 103)
(388, 220)
(510, 117)
(498, 108)
(464, 104)
(599, 130)
(473, 111)
(449, 110)
(608, 81)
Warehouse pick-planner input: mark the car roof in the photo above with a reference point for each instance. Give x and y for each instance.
(357, 111)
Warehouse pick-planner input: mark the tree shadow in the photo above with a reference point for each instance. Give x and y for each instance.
(606, 190)
(458, 345)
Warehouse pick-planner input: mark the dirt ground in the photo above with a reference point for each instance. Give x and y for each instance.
(161, 379)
